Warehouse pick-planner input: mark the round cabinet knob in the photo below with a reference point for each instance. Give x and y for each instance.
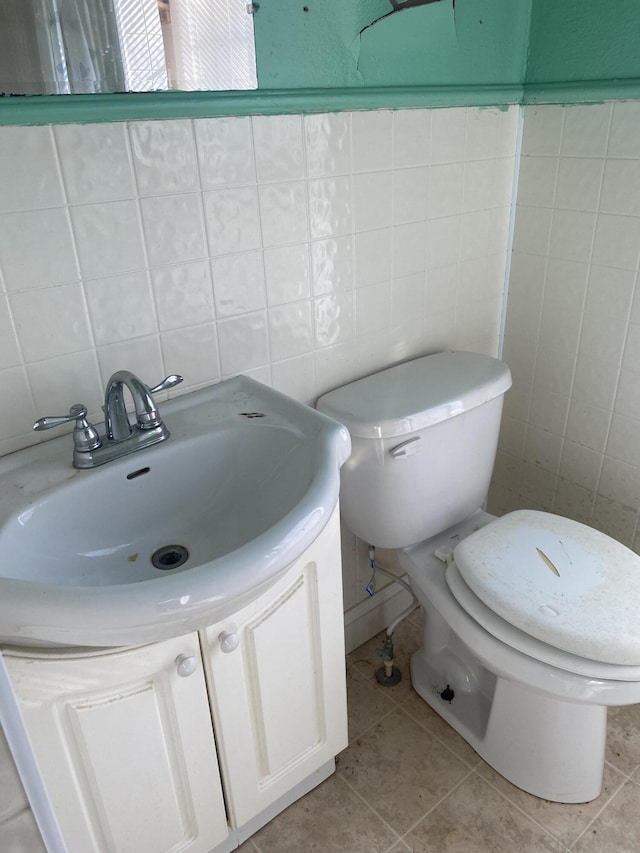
(229, 640)
(186, 665)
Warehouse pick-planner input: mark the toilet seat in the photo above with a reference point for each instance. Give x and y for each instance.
(549, 586)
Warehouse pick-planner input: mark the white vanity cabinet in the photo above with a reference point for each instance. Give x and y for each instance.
(125, 741)
(125, 747)
(276, 677)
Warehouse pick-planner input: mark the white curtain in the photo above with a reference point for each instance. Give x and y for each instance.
(86, 36)
(59, 47)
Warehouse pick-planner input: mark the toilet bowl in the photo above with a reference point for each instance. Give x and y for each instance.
(532, 621)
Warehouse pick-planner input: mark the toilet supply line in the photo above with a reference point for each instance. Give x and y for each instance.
(388, 674)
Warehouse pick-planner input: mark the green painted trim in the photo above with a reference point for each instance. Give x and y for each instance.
(582, 92)
(83, 109)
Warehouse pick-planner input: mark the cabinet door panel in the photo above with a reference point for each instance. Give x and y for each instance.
(279, 698)
(125, 747)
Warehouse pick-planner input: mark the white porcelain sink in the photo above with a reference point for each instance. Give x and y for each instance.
(247, 480)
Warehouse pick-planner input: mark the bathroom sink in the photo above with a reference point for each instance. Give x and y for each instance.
(173, 537)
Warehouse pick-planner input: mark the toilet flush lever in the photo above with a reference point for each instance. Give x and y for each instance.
(406, 448)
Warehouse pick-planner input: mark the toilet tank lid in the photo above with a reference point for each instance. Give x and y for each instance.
(416, 394)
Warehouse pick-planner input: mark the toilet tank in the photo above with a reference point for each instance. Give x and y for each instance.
(424, 437)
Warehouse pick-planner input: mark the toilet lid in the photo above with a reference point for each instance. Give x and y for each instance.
(558, 581)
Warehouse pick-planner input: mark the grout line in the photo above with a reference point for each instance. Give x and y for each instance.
(519, 808)
(397, 835)
(437, 804)
(599, 813)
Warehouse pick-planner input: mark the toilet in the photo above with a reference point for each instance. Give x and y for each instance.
(531, 620)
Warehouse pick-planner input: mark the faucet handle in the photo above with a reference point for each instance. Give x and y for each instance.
(168, 382)
(77, 412)
(85, 435)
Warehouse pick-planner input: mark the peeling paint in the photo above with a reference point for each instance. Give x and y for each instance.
(390, 43)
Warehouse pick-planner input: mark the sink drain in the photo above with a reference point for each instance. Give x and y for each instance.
(170, 557)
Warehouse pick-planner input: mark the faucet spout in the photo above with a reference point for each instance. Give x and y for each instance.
(118, 427)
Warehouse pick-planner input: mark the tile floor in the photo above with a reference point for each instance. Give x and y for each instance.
(408, 782)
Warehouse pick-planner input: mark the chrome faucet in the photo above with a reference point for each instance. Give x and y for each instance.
(121, 437)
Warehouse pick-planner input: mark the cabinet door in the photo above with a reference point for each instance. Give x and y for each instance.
(125, 746)
(276, 675)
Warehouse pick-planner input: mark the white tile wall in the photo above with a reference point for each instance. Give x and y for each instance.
(571, 428)
(306, 251)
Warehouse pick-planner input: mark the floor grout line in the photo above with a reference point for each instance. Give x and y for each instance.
(397, 835)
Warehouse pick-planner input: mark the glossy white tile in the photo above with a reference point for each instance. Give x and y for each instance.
(483, 126)
(244, 343)
(174, 228)
(238, 283)
(296, 377)
(51, 322)
(141, 355)
(288, 276)
(232, 220)
(283, 211)
(225, 151)
(443, 242)
(183, 295)
(330, 207)
(478, 189)
(542, 131)
(327, 144)
(29, 174)
(372, 194)
(193, 353)
(334, 318)
(95, 161)
(407, 298)
(332, 264)
(617, 241)
(36, 249)
(108, 238)
(77, 372)
(586, 130)
(10, 355)
(16, 419)
(373, 257)
(410, 194)
(121, 307)
(372, 308)
(164, 156)
(445, 190)
(372, 140)
(409, 249)
(411, 138)
(620, 187)
(290, 330)
(448, 133)
(278, 147)
(623, 136)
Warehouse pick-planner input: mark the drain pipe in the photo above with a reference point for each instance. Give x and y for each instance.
(388, 674)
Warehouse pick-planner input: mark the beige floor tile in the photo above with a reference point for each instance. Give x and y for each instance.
(400, 770)
(617, 829)
(330, 819)
(365, 704)
(424, 714)
(564, 822)
(623, 738)
(475, 818)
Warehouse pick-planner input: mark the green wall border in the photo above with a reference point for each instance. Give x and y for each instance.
(83, 109)
(581, 92)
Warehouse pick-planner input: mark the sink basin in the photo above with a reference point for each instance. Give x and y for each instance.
(169, 539)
